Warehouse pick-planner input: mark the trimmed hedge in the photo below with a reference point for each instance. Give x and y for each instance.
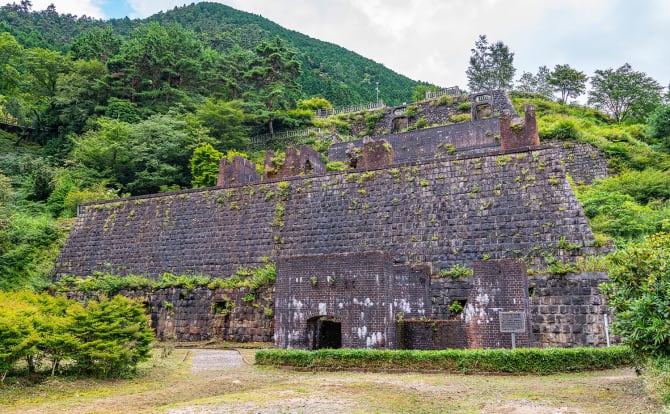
(473, 361)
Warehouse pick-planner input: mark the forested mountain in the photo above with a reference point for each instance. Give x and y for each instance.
(337, 74)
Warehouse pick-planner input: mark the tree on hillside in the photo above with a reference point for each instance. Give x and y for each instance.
(225, 121)
(626, 94)
(491, 66)
(96, 43)
(569, 82)
(10, 59)
(273, 72)
(536, 84)
(659, 123)
(205, 166)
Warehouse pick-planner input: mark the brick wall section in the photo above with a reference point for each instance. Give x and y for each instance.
(519, 135)
(441, 212)
(569, 310)
(375, 154)
(432, 334)
(444, 291)
(191, 314)
(435, 114)
(362, 291)
(303, 160)
(498, 286)
(237, 171)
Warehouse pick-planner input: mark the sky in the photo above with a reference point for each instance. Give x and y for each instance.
(431, 40)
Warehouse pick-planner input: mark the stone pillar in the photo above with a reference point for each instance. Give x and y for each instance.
(375, 154)
(238, 171)
(498, 286)
(516, 133)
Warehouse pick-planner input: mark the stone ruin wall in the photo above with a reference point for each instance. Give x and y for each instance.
(441, 212)
(583, 162)
(202, 314)
(431, 143)
(566, 311)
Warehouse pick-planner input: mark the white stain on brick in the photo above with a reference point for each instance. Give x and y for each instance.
(362, 331)
(323, 309)
(375, 339)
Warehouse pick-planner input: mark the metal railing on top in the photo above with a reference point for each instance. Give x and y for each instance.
(284, 135)
(451, 91)
(324, 113)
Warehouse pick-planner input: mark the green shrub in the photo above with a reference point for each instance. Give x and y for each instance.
(456, 271)
(421, 123)
(643, 186)
(566, 129)
(519, 361)
(639, 293)
(618, 215)
(446, 100)
(104, 338)
(411, 111)
(461, 118)
(336, 166)
(114, 335)
(656, 377)
(464, 107)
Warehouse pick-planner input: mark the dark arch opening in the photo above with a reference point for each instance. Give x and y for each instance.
(325, 332)
(399, 124)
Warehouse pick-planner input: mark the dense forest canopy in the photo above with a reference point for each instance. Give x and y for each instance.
(328, 70)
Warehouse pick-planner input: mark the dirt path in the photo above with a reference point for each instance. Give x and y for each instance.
(220, 381)
(380, 392)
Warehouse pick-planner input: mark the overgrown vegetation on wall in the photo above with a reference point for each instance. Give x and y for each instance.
(110, 284)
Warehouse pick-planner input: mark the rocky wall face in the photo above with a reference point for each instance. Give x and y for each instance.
(432, 334)
(569, 310)
(237, 315)
(566, 311)
(441, 212)
(583, 162)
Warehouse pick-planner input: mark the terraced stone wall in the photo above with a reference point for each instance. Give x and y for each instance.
(442, 212)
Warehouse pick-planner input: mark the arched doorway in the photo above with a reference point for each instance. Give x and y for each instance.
(324, 332)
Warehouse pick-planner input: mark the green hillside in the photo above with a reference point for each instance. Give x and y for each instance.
(337, 74)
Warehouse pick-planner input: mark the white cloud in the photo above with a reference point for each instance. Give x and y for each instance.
(145, 8)
(89, 8)
(431, 40)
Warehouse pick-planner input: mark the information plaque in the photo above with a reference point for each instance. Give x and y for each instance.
(512, 322)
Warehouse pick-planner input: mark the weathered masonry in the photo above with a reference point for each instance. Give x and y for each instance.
(442, 212)
(346, 300)
(355, 250)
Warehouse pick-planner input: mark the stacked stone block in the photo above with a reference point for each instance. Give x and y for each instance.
(569, 310)
(202, 314)
(442, 212)
(427, 144)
